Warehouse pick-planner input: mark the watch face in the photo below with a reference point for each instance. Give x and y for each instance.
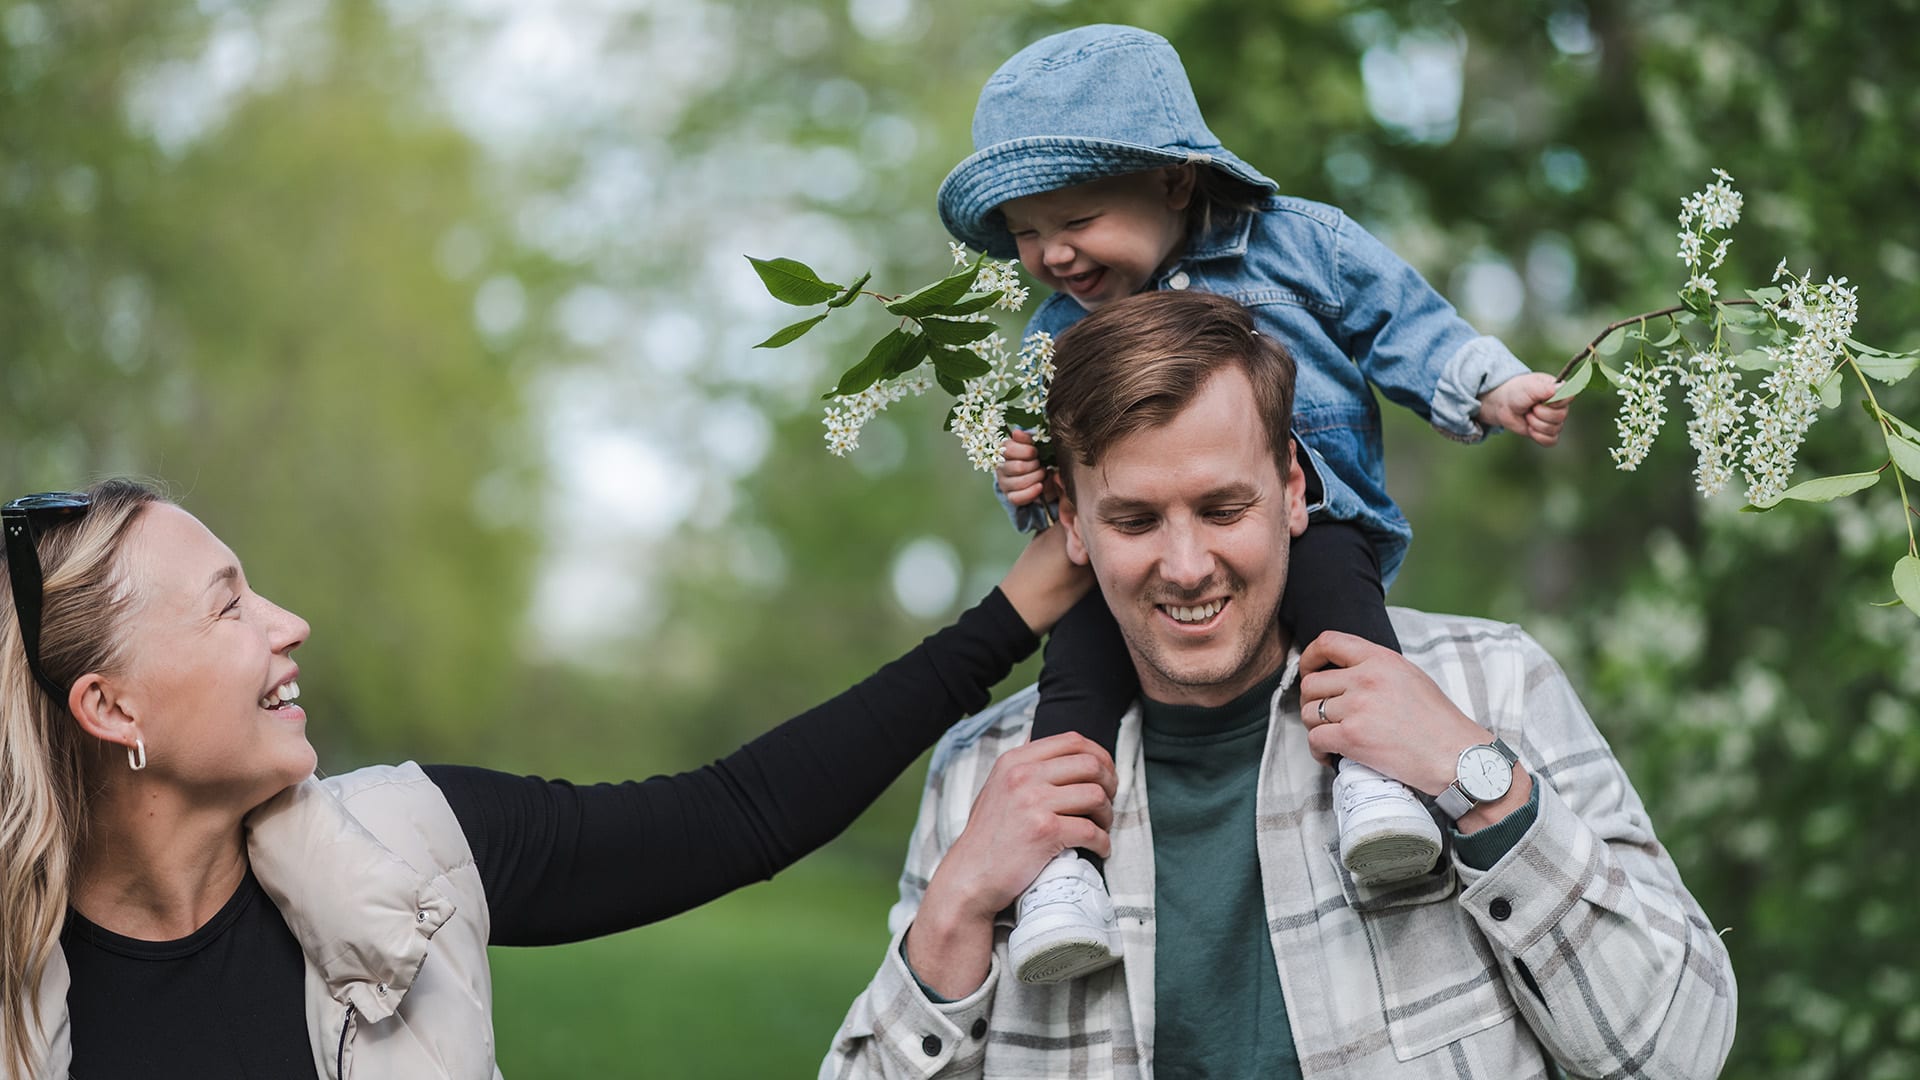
(1485, 773)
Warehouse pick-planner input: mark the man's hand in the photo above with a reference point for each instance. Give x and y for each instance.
(1040, 799)
(1022, 478)
(1369, 703)
(1520, 405)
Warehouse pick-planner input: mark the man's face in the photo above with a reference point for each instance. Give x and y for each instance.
(1187, 527)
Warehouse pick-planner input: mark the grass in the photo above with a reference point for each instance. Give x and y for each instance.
(752, 985)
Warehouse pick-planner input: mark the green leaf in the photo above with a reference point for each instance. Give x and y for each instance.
(1768, 295)
(1899, 425)
(1823, 489)
(959, 363)
(1905, 453)
(1026, 418)
(1672, 335)
(909, 357)
(878, 359)
(1865, 349)
(1755, 360)
(1575, 383)
(1681, 318)
(1612, 373)
(972, 302)
(1609, 346)
(1906, 582)
(793, 282)
(1889, 368)
(786, 335)
(951, 385)
(940, 294)
(956, 331)
(852, 293)
(1830, 390)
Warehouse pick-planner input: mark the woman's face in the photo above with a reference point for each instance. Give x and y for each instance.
(208, 661)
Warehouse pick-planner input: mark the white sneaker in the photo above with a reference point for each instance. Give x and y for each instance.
(1066, 926)
(1386, 834)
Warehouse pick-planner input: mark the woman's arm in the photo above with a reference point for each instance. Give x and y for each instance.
(562, 862)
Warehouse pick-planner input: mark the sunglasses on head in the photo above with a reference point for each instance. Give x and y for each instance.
(19, 519)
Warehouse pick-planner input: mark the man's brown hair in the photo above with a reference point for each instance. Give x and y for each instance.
(1136, 363)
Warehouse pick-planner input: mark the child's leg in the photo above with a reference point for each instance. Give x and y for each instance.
(1088, 681)
(1333, 583)
(1066, 926)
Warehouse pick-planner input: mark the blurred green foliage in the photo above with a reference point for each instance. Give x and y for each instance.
(355, 279)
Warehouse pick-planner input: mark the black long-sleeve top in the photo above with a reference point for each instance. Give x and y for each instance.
(559, 863)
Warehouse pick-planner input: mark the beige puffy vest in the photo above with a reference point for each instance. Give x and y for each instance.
(373, 873)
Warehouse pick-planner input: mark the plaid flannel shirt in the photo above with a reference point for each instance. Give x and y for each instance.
(1580, 946)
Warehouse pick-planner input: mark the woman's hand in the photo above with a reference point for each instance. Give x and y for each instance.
(1043, 585)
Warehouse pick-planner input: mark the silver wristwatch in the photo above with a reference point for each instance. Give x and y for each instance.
(1483, 774)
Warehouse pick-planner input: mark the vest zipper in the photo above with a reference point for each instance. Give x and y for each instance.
(340, 1060)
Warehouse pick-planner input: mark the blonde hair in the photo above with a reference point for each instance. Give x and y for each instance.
(43, 817)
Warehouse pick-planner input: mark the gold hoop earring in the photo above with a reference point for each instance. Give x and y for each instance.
(137, 754)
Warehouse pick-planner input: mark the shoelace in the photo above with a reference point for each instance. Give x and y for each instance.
(1059, 890)
(1357, 791)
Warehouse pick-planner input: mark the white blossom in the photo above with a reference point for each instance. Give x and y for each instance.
(980, 411)
(1643, 409)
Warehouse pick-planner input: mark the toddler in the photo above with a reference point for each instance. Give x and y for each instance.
(1093, 165)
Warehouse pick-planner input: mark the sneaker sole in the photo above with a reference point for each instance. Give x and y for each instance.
(1062, 961)
(1387, 857)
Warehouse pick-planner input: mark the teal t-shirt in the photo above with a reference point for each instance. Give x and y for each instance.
(1217, 1004)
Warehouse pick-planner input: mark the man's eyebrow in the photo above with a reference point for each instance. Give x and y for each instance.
(225, 573)
(1111, 506)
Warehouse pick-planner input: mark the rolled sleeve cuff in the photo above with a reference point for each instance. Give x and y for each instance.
(1480, 365)
(923, 1034)
(1030, 518)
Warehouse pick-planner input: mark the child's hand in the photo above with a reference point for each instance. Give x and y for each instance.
(1021, 478)
(1520, 405)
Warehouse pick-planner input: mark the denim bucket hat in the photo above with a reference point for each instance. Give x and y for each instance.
(1093, 102)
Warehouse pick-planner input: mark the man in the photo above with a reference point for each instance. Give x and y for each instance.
(1554, 930)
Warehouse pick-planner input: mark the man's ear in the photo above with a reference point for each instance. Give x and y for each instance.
(1296, 492)
(1180, 180)
(102, 710)
(1070, 521)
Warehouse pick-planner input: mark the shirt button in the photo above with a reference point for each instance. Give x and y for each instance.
(382, 988)
(980, 1028)
(1499, 909)
(420, 916)
(931, 1044)
(1179, 280)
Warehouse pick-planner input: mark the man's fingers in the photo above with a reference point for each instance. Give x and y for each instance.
(1328, 741)
(1336, 649)
(1020, 451)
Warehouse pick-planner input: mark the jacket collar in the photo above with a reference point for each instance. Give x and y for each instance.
(1225, 236)
(363, 916)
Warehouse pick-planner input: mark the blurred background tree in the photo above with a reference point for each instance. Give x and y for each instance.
(436, 311)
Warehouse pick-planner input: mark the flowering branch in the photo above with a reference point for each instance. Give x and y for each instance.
(944, 337)
(1803, 331)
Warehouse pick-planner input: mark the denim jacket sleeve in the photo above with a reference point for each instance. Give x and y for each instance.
(1409, 341)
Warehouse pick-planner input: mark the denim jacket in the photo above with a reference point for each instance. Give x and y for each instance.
(1355, 317)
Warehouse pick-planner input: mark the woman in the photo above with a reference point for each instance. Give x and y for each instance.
(180, 897)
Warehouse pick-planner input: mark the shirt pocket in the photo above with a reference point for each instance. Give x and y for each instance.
(1438, 979)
